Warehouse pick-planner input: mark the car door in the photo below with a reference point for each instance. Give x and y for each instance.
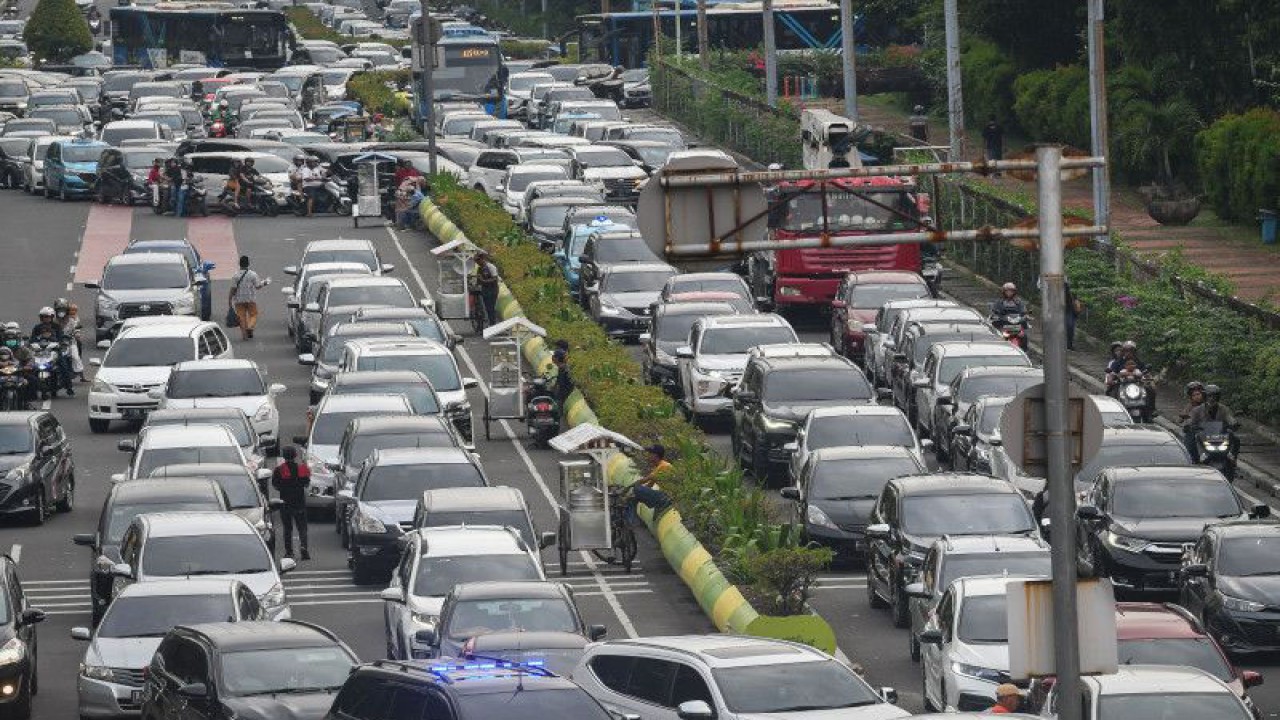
(933, 655)
(921, 608)
(690, 685)
(198, 670)
(130, 551)
(49, 450)
(163, 679)
(1195, 588)
(395, 613)
(879, 549)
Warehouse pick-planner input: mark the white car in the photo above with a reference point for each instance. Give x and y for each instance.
(712, 361)
(852, 425)
(33, 168)
(432, 359)
(159, 446)
(964, 647)
(488, 170)
(231, 383)
(520, 88)
(214, 167)
(184, 544)
(1155, 691)
(510, 190)
(351, 291)
(328, 425)
(432, 562)
(304, 289)
(138, 361)
(610, 170)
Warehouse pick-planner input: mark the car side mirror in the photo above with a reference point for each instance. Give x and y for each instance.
(931, 636)
(126, 445)
(889, 694)
(391, 595)
(91, 285)
(307, 359)
(1198, 570)
(312, 307)
(961, 429)
(878, 531)
(839, 304)
(426, 636)
(944, 401)
(290, 269)
(916, 590)
(293, 302)
(263, 474)
(1251, 678)
(277, 388)
(95, 362)
(1260, 511)
(287, 564)
(546, 540)
(123, 570)
(118, 478)
(470, 382)
(790, 493)
(387, 268)
(300, 440)
(791, 447)
(427, 304)
(694, 710)
(745, 396)
(82, 634)
(194, 691)
(1088, 513)
(347, 493)
(103, 345)
(884, 393)
(596, 632)
(85, 539)
(684, 352)
(31, 616)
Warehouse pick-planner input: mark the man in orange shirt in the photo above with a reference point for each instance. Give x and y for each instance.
(1008, 699)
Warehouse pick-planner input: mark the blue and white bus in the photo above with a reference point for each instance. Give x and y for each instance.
(469, 66)
(213, 34)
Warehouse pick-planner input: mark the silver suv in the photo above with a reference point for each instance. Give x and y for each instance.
(144, 284)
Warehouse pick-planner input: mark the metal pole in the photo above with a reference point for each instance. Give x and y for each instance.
(704, 49)
(1062, 501)
(955, 97)
(770, 56)
(679, 32)
(656, 45)
(1098, 112)
(546, 34)
(849, 50)
(428, 103)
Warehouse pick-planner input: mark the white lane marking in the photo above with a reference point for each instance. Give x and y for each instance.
(15, 553)
(69, 287)
(611, 597)
(46, 404)
(833, 586)
(73, 270)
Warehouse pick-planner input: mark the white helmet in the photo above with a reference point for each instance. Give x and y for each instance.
(46, 310)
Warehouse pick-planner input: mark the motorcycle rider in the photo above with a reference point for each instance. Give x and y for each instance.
(70, 323)
(48, 330)
(249, 176)
(7, 360)
(221, 113)
(1128, 351)
(1195, 398)
(15, 343)
(1213, 410)
(1009, 303)
(312, 178)
(295, 172)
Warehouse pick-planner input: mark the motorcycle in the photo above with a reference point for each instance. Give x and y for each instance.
(332, 198)
(262, 200)
(541, 412)
(197, 198)
(13, 388)
(1133, 393)
(217, 129)
(1014, 329)
(932, 272)
(1214, 442)
(46, 357)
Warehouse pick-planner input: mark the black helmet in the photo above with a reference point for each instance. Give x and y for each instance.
(61, 306)
(1212, 392)
(1193, 386)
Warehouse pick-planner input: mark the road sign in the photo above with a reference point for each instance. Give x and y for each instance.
(1022, 430)
(1030, 628)
(677, 216)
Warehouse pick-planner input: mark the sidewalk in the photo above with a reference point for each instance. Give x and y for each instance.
(1234, 252)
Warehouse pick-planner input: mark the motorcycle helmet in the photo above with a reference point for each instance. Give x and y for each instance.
(299, 158)
(1212, 393)
(223, 104)
(1009, 286)
(61, 306)
(6, 355)
(1193, 386)
(1129, 345)
(46, 312)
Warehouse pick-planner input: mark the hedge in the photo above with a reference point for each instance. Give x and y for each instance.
(310, 27)
(1238, 158)
(1053, 105)
(988, 76)
(371, 89)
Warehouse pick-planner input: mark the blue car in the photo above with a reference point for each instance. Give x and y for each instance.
(568, 255)
(71, 168)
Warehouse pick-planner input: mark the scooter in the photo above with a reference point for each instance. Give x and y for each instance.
(1133, 393)
(1013, 328)
(931, 269)
(1214, 443)
(46, 356)
(262, 200)
(197, 199)
(13, 388)
(331, 198)
(541, 412)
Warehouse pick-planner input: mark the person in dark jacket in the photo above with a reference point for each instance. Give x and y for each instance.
(291, 479)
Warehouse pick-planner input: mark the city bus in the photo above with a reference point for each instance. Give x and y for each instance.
(469, 66)
(213, 34)
(624, 38)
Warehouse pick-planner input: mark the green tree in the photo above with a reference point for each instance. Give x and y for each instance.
(1153, 125)
(57, 32)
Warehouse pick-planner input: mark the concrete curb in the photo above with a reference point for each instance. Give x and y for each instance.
(720, 599)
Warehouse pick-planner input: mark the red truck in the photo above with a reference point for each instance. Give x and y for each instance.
(808, 277)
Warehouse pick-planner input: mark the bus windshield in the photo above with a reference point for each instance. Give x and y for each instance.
(468, 69)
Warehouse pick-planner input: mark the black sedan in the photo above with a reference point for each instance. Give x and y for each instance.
(1231, 579)
(37, 473)
(17, 644)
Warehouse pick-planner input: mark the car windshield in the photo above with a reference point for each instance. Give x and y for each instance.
(1166, 498)
(285, 670)
(149, 352)
(422, 399)
(673, 329)
(533, 704)
(654, 156)
(973, 514)
(602, 157)
(171, 120)
(549, 216)
(13, 89)
(514, 519)
(15, 440)
(792, 687)
(1171, 706)
(145, 276)
(1196, 652)
(389, 295)
(61, 116)
(408, 482)
(624, 250)
(215, 383)
(959, 566)
(363, 257)
(176, 555)
(13, 147)
(808, 386)
(740, 340)
(520, 180)
(122, 515)
(241, 490)
(117, 135)
(477, 617)
(81, 153)
(119, 83)
(462, 125)
(1118, 455)
(1246, 556)
(839, 431)
(953, 366)
(984, 619)
(848, 212)
(362, 446)
(857, 478)
(439, 369)
(662, 135)
(150, 459)
(989, 423)
(725, 284)
(975, 387)
(143, 158)
(331, 77)
(437, 575)
(153, 617)
(873, 296)
(330, 426)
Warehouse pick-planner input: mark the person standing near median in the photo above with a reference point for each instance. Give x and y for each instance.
(291, 480)
(244, 297)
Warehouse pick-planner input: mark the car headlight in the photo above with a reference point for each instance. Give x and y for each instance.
(425, 618)
(184, 303)
(976, 671)
(789, 291)
(815, 516)
(19, 474)
(368, 524)
(107, 303)
(610, 311)
(1132, 391)
(983, 454)
(1240, 604)
(264, 413)
(273, 597)
(95, 672)
(13, 652)
(777, 426)
(1125, 542)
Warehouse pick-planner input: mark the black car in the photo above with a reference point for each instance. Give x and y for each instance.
(477, 608)
(13, 153)
(1231, 580)
(256, 670)
(1135, 521)
(837, 488)
(18, 648)
(967, 388)
(978, 431)
(480, 690)
(122, 174)
(651, 153)
(669, 329)
(609, 247)
(37, 472)
(127, 500)
(775, 395)
(915, 510)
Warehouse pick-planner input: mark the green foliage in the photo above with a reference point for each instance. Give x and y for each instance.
(1238, 158)
(988, 82)
(1153, 125)
(784, 577)
(310, 27)
(379, 91)
(57, 32)
(1053, 105)
(513, 49)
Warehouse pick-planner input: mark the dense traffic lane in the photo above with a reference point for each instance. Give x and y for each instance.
(648, 602)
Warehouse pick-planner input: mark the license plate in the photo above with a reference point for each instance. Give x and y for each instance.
(133, 413)
(135, 697)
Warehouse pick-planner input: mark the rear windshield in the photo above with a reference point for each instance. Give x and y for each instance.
(439, 369)
(854, 430)
(647, 281)
(976, 387)
(973, 514)
(857, 478)
(159, 457)
(875, 296)
(153, 617)
(215, 383)
(362, 446)
(738, 341)
(622, 250)
(408, 482)
(421, 398)
(205, 555)
(514, 519)
(800, 386)
(389, 295)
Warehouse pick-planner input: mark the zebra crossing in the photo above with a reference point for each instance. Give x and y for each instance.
(305, 588)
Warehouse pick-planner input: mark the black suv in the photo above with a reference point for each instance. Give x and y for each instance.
(669, 325)
(17, 644)
(775, 395)
(1231, 579)
(37, 473)
(530, 605)
(915, 510)
(256, 670)
(1135, 521)
(481, 690)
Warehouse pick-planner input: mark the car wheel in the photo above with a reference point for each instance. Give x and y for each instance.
(68, 501)
(898, 601)
(97, 426)
(929, 707)
(873, 599)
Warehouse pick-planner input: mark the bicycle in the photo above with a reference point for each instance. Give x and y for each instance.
(623, 536)
(477, 312)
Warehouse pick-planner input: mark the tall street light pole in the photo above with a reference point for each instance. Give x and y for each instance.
(1099, 131)
(848, 46)
(770, 56)
(427, 105)
(955, 96)
(704, 51)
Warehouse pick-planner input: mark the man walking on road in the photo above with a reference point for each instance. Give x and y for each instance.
(291, 479)
(244, 297)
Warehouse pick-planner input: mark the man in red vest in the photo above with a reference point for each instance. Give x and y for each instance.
(291, 479)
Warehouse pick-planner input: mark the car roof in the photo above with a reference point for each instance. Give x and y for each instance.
(638, 267)
(497, 589)
(160, 258)
(160, 490)
(746, 321)
(401, 424)
(951, 483)
(534, 640)
(885, 277)
(346, 328)
(862, 452)
(163, 329)
(262, 635)
(337, 244)
(452, 540)
(977, 585)
(854, 410)
(1245, 528)
(395, 312)
(985, 544)
(364, 281)
(170, 436)
(20, 417)
(1149, 620)
(378, 377)
(164, 587)
(498, 497)
(199, 470)
(970, 348)
(1000, 370)
(405, 345)
(215, 364)
(420, 456)
(728, 650)
(808, 362)
(373, 402)
(1155, 680)
(190, 524)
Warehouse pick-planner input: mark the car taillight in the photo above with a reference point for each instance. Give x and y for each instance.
(542, 407)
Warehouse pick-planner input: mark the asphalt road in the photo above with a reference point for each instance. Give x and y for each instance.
(42, 242)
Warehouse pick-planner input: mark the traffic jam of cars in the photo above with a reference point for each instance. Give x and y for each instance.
(844, 382)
